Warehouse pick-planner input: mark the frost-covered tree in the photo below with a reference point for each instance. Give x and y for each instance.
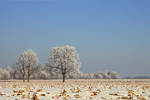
(114, 75)
(91, 76)
(98, 75)
(41, 74)
(63, 60)
(44, 75)
(20, 65)
(31, 62)
(109, 75)
(18, 75)
(27, 63)
(10, 72)
(5, 75)
(86, 76)
(101, 75)
(8, 68)
(75, 75)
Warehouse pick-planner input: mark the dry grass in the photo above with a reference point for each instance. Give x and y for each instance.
(78, 88)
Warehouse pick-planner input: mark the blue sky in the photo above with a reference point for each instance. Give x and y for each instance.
(108, 34)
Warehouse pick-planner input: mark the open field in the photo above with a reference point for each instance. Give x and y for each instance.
(97, 89)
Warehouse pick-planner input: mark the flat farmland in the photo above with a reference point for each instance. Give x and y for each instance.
(82, 89)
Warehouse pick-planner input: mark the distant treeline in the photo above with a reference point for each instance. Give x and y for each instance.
(137, 77)
(8, 73)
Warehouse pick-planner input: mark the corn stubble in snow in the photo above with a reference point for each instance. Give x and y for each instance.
(110, 90)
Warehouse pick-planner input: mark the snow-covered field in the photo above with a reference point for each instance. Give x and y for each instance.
(97, 89)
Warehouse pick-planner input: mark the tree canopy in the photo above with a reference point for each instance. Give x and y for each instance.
(64, 60)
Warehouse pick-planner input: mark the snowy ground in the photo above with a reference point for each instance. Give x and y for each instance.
(75, 89)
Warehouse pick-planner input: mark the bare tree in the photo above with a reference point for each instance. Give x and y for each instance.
(20, 65)
(27, 62)
(63, 60)
(31, 62)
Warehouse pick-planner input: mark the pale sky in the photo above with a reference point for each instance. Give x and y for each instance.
(108, 34)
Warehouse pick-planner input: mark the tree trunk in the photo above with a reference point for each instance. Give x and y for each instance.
(28, 78)
(23, 78)
(28, 73)
(63, 77)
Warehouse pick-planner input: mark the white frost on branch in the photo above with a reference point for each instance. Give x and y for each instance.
(20, 65)
(27, 62)
(31, 61)
(5, 75)
(101, 75)
(63, 60)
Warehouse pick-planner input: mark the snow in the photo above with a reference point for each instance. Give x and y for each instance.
(81, 89)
